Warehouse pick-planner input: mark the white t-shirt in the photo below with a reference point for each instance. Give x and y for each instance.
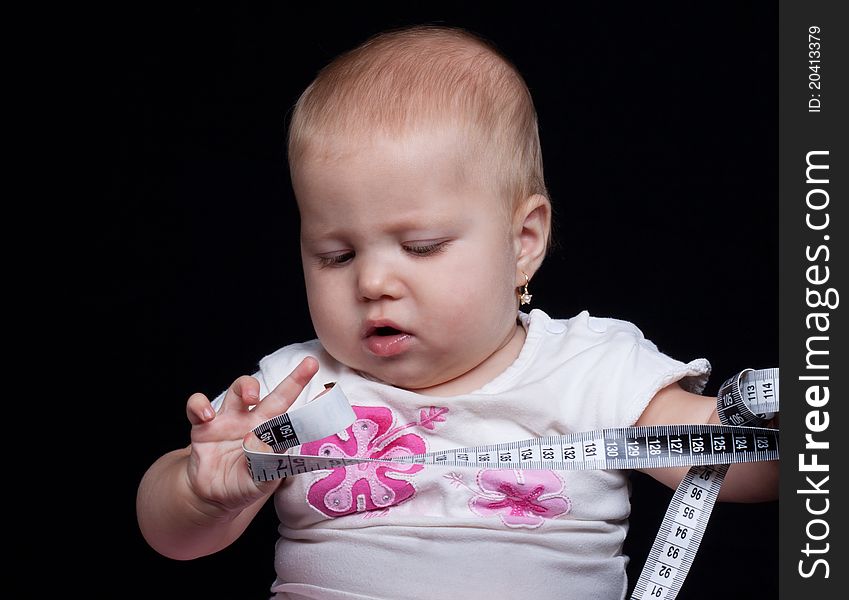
(415, 532)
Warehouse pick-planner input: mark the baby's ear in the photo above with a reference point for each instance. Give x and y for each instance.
(532, 227)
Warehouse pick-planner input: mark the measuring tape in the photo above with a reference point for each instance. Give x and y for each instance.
(744, 403)
(749, 398)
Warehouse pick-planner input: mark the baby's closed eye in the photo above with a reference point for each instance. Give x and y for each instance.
(426, 248)
(335, 259)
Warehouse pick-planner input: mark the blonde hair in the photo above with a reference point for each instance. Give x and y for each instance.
(419, 79)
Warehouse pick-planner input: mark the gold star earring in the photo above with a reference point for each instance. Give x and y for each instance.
(524, 296)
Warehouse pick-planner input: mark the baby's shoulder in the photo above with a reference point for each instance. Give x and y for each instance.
(276, 366)
(291, 353)
(585, 330)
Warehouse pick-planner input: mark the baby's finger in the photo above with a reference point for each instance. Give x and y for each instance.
(243, 393)
(281, 397)
(246, 389)
(199, 409)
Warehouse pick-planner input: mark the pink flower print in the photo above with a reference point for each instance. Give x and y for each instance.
(368, 486)
(520, 498)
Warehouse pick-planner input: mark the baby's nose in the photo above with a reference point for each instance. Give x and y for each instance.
(378, 280)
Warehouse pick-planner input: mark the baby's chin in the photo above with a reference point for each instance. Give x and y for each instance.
(411, 374)
(405, 382)
(421, 383)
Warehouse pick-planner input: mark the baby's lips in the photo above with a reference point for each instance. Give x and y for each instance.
(373, 326)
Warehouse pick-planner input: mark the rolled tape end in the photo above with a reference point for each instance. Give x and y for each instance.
(328, 414)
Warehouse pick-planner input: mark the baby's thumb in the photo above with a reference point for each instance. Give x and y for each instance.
(254, 444)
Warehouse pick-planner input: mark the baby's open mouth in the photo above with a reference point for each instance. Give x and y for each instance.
(385, 341)
(383, 331)
(384, 338)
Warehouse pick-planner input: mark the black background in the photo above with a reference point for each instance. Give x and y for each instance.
(659, 132)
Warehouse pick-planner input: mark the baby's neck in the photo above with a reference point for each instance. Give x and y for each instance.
(487, 370)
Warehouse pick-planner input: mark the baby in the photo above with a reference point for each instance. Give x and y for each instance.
(416, 164)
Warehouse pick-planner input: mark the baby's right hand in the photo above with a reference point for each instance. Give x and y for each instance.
(217, 470)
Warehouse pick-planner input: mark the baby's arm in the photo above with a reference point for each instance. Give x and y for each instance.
(197, 500)
(745, 482)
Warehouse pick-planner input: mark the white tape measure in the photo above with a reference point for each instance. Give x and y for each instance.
(744, 403)
(748, 398)
(622, 448)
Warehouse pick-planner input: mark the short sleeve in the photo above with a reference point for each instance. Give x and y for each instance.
(275, 367)
(624, 370)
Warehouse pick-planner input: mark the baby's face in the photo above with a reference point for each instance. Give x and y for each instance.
(410, 269)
